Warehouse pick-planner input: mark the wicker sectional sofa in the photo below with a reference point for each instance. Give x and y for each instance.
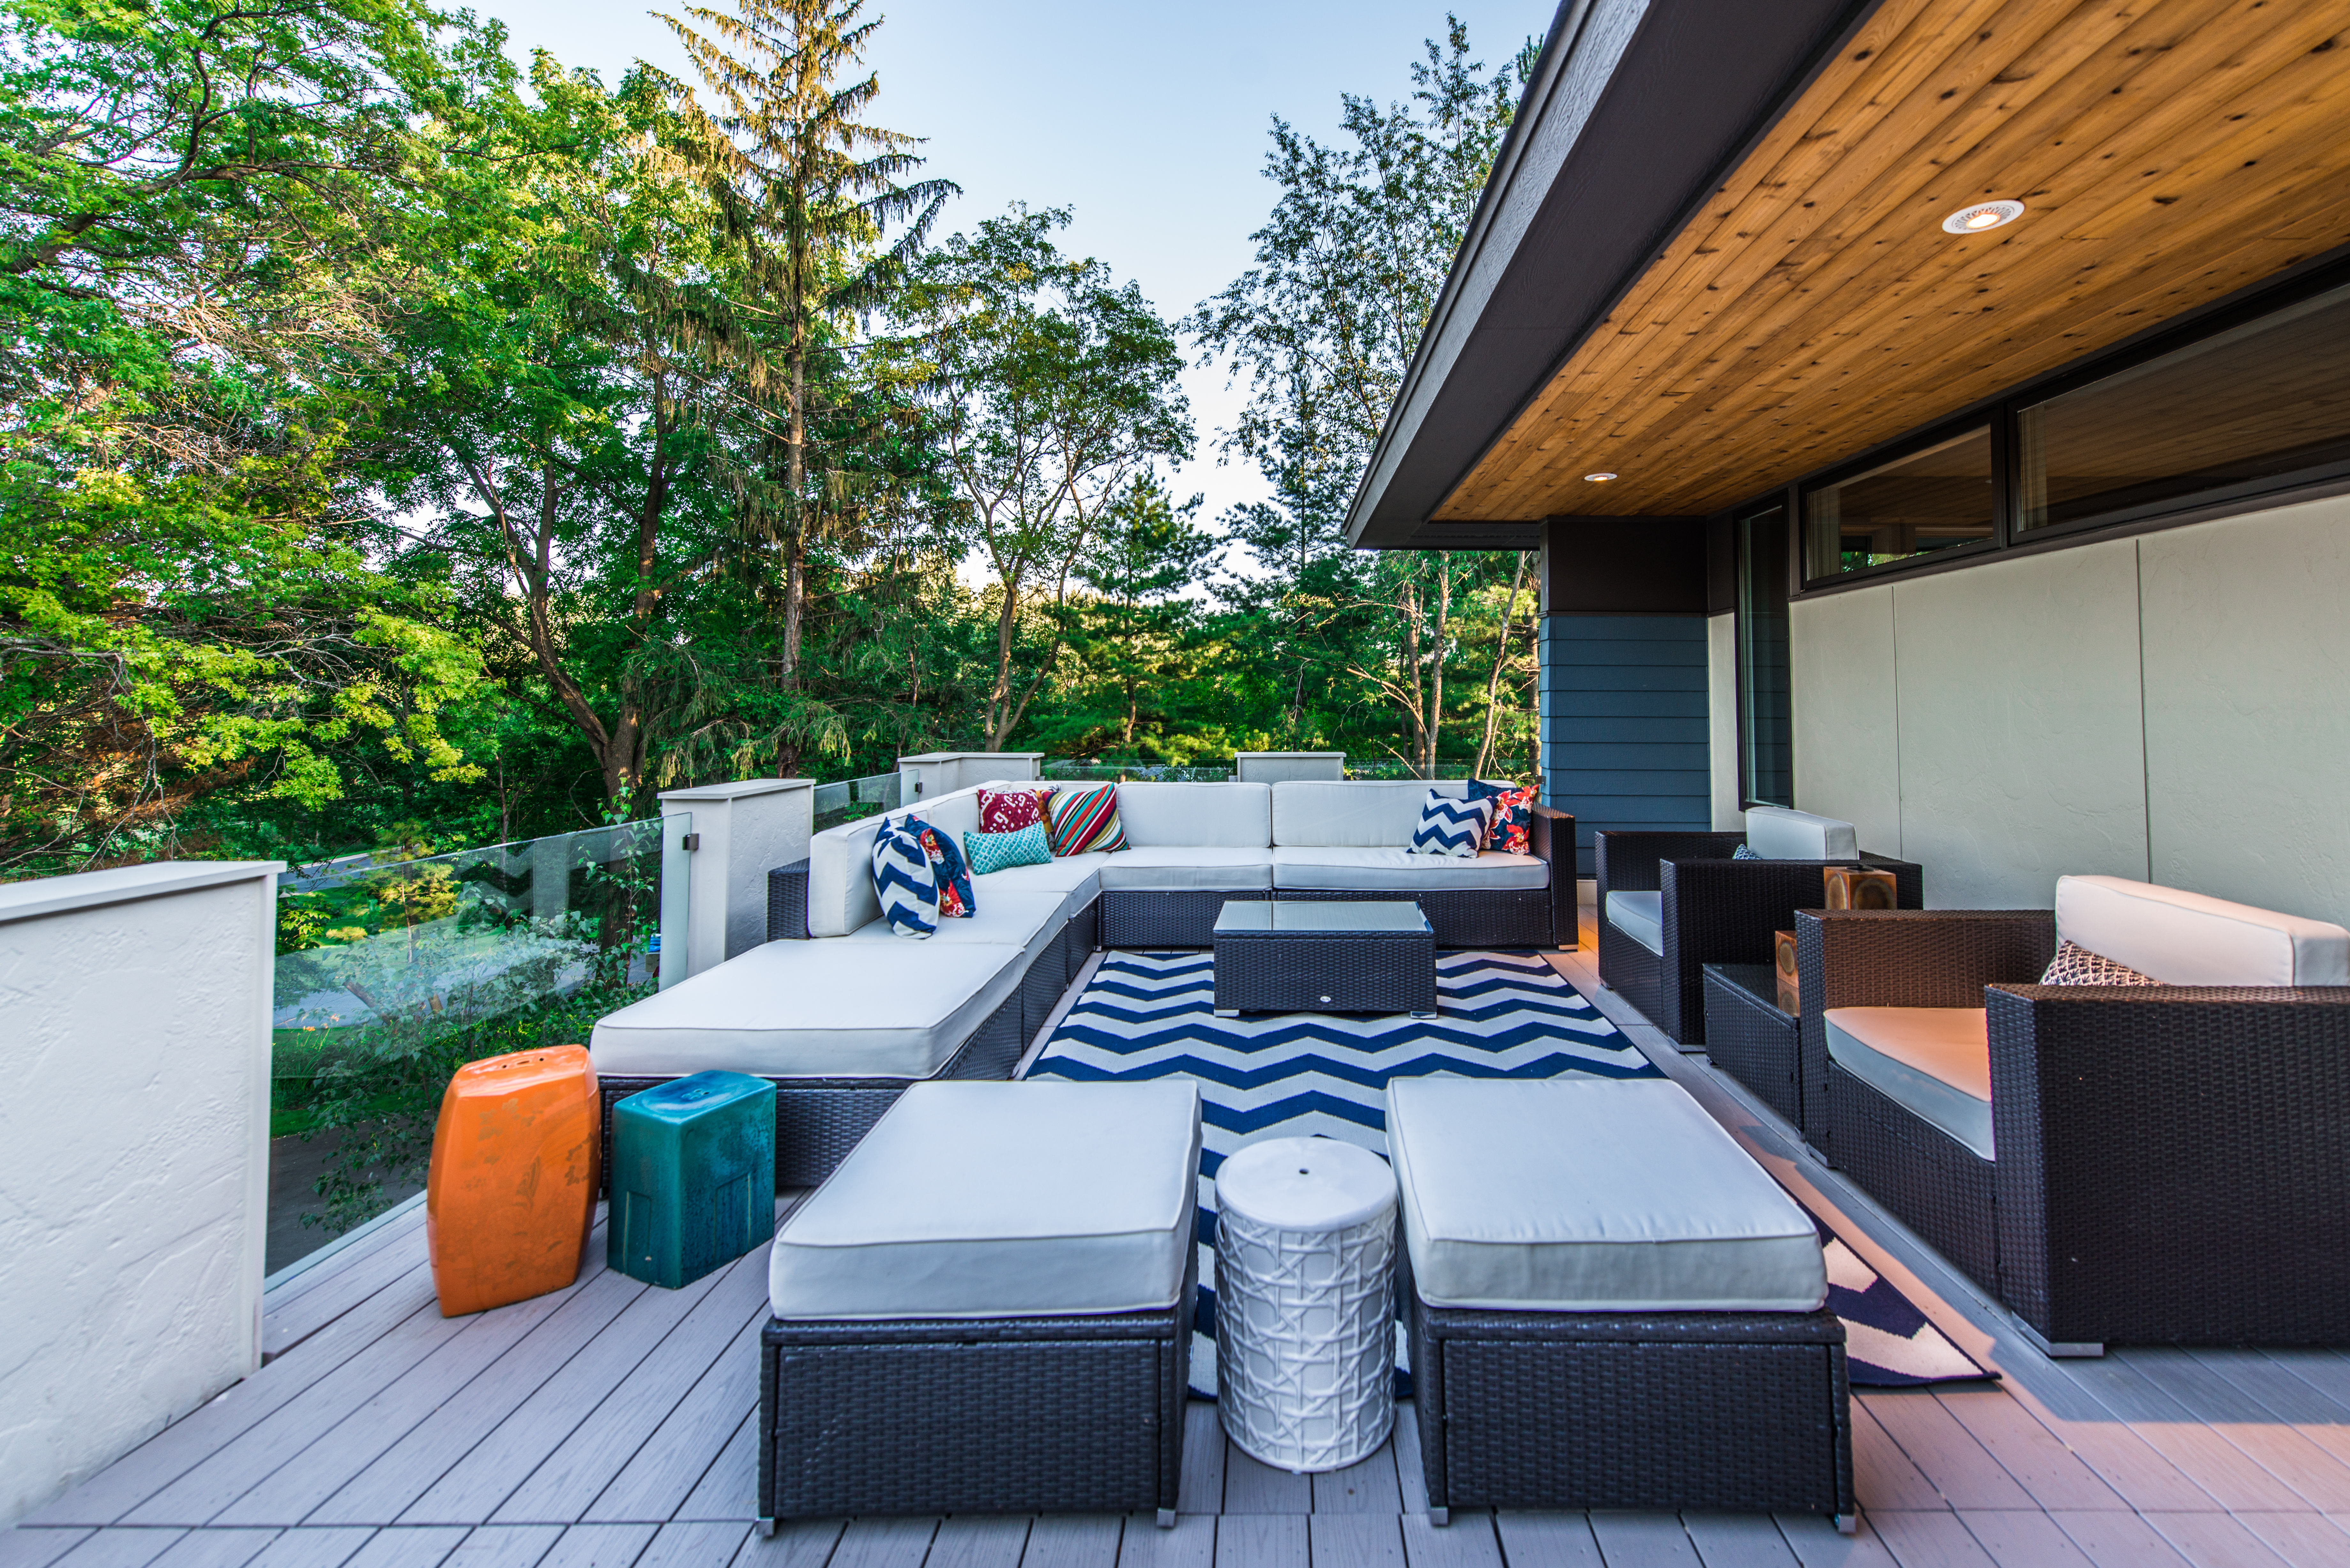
(842, 1015)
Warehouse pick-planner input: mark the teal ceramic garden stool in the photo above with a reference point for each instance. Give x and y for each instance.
(694, 1177)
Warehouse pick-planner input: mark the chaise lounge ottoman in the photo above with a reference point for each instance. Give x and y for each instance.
(1611, 1306)
(987, 1309)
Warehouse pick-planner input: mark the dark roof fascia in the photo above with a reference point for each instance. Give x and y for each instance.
(1476, 536)
(1636, 113)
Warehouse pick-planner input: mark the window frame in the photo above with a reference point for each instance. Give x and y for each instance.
(1784, 501)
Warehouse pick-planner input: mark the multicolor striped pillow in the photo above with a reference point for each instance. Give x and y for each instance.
(1085, 819)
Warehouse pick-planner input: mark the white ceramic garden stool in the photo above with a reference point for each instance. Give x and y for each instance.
(1305, 1240)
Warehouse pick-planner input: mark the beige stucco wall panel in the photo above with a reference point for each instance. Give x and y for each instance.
(1845, 714)
(2020, 723)
(2248, 706)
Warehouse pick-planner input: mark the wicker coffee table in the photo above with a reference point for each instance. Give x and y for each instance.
(1372, 955)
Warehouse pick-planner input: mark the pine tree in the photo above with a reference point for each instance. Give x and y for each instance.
(807, 192)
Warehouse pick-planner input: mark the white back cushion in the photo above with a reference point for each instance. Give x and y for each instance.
(841, 861)
(1777, 834)
(1197, 815)
(1369, 814)
(2187, 939)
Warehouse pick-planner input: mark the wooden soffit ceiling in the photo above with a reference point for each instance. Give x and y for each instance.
(2168, 152)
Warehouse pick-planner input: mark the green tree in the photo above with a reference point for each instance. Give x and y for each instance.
(1146, 552)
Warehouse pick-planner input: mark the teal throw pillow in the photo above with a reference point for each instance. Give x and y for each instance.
(1000, 851)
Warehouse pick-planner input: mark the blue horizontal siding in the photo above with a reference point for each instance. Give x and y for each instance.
(1624, 731)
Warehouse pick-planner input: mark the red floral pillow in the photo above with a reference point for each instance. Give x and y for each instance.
(1510, 832)
(1010, 810)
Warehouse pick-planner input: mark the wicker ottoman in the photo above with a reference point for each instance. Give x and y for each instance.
(1611, 1306)
(988, 1309)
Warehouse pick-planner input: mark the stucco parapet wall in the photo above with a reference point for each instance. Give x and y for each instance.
(967, 756)
(93, 889)
(740, 789)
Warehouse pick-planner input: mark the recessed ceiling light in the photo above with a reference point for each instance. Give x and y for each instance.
(1983, 215)
(1598, 478)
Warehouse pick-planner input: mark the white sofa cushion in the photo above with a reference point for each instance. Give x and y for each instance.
(1640, 916)
(1075, 878)
(1208, 816)
(1590, 1195)
(984, 1200)
(1933, 1060)
(1172, 869)
(871, 1009)
(1369, 814)
(1774, 833)
(1028, 921)
(2187, 939)
(1397, 870)
(841, 861)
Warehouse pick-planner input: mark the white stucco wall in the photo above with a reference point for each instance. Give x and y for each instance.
(747, 829)
(134, 1157)
(2174, 707)
(1721, 721)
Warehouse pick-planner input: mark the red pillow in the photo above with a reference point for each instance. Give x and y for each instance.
(1010, 810)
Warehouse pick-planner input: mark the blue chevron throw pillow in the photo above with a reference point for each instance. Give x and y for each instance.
(1451, 827)
(905, 882)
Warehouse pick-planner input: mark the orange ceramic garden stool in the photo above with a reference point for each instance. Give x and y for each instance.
(512, 1192)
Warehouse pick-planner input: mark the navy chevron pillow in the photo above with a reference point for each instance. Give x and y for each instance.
(905, 881)
(1449, 826)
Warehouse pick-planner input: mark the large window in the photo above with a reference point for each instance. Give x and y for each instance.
(1914, 505)
(2242, 407)
(1764, 738)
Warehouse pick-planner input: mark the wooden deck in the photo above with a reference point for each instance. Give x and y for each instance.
(611, 1425)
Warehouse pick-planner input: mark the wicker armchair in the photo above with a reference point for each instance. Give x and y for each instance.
(1716, 910)
(2170, 1162)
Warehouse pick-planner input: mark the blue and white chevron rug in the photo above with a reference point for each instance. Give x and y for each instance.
(1500, 1015)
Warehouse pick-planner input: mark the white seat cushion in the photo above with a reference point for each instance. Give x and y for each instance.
(1640, 916)
(2185, 938)
(1217, 815)
(826, 1008)
(1397, 870)
(1934, 1061)
(1075, 878)
(1777, 834)
(1029, 921)
(1015, 1199)
(1166, 869)
(1359, 814)
(1590, 1195)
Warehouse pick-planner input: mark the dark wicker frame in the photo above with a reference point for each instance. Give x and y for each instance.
(1011, 1414)
(1716, 910)
(1316, 972)
(2170, 1158)
(1136, 920)
(1749, 1038)
(1749, 1412)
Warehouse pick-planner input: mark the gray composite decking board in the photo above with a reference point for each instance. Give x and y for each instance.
(1074, 1541)
(2273, 1386)
(476, 1484)
(1412, 1478)
(1467, 1543)
(1202, 1489)
(1817, 1544)
(286, 1432)
(662, 1473)
(298, 1319)
(1547, 1540)
(799, 1544)
(121, 1546)
(1736, 1540)
(2204, 1455)
(1262, 1541)
(215, 1549)
(415, 1547)
(2014, 1537)
(294, 1490)
(329, 1548)
(318, 1274)
(1356, 1539)
(2112, 1539)
(1253, 1487)
(980, 1540)
(729, 1489)
(566, 1482)
(2285, 1453)
(505, 1546)
(406, 1471)
(600, 1546)
(2124, 1460)
(1945, 1452)
(30, 1546)
(2052, 1473)
(2217, 1539)
(1367, 1487)
(1645, 1540)
(884, 1544)
(1930, 1540)
(698, 1544)
(195, 1437)
(2301, 1538)
(1190, 1543)
(1882, 1475)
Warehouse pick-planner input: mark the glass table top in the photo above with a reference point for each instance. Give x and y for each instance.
(1349, 916)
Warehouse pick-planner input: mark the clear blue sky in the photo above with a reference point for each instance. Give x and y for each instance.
(1150, 121)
